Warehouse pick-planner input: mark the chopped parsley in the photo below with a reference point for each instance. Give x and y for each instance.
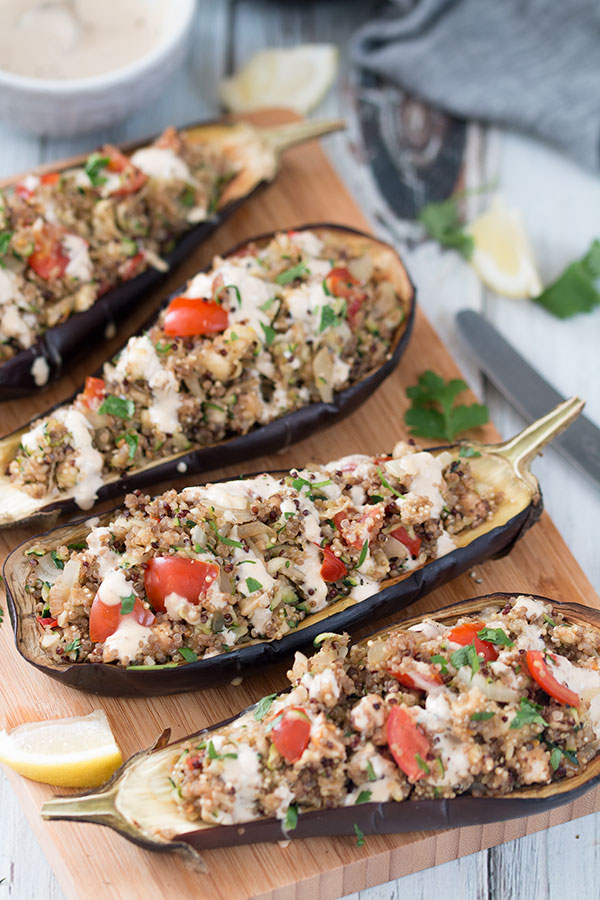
(263, 706)
(132, 440)
(466, 656)
(289, 275)
(495, 636)
(440, 660)
(269, 332)
(117, 406)
(363, 553)
(212, 753)
(253, 585)
(329, 318)
(127, 604)
(73, 647)
(224, 540)
(528, 714)
(371, 771)
(94, 165)
(422, 764)
(227, 287)
(188, 654)
(360, 837)
(363, 797)
(468, 453)
(163, 347)
(482, 716)
(5, 237)
(291, 818)
(266, 306)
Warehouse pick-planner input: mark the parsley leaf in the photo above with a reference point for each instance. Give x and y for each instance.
(127, 604)
(117, 406)
(528, 714)
(495, 636)
(253, 585)
(188, 654)
(263, 706)
(329, 318)
(297, 271)
(5, 237)
(482, 716)
(468, 453)
(93, 167)
(224, 540)
(363, 797)
(466, 656)
(371, 771)
(422, 764)
(131, 440)
(433, 413)
(212, 753)
(73, 647)
(363, 553)
(291, 818)
(438, 658)
(575, 290)
(360, 837)
(58, 562)
(442, 223)
(270, 333)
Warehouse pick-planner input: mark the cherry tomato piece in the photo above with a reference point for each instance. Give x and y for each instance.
(541, 672)
(332, 568)
(105, 618)
(191, 316)
(189, 578)
(412, 544)
(418, 676)
(48, 260)
(47, 621)
(467, 633)
(407, 743)
(355, 528)
(50, 178)
(291, 734)
(131, 267)
(93, 392)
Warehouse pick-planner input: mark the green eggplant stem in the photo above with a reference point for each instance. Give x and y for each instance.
(92, 807)
(521, 450)
(280, 137)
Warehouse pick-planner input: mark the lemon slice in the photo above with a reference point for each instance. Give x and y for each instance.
(501, 255)
(297, 77)
(76, 752)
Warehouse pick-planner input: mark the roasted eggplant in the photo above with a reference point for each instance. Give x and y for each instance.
(233, 415)
(502, 468)
(254, 153)
(541, 768)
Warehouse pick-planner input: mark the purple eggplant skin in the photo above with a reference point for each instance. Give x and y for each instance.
(264, 439)
(111, 680)
(375, 818)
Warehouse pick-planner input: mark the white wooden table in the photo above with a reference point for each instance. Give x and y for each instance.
(560, 203)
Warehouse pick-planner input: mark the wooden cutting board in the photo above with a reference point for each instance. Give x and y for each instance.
(94, 862)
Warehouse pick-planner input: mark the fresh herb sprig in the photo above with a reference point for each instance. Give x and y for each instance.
(434, 413)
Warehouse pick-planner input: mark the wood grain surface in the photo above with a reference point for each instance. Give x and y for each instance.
(109, 867)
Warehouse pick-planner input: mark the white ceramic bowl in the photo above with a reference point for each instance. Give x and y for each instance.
(62, 108)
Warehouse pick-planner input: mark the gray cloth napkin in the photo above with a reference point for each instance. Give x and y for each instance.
(528, 64)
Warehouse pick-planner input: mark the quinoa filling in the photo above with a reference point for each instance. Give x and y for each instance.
(68, 237)
(191, 574)
(263, 333)
(498, 701)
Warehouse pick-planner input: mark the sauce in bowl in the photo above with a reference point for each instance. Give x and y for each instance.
(78, 39)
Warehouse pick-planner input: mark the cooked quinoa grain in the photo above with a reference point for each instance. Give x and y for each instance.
(264, 332)
(415, 714)
(208, 568)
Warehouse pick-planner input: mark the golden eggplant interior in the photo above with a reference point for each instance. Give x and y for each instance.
(283, 322)
(498, 697)
(194, 574)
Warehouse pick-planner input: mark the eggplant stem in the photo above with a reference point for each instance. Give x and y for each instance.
(92, 807)
(280, 137)
(522, 449)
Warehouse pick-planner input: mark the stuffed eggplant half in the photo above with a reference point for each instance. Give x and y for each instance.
(78, 245)
(486, 711)
(194, 587)
(283, 334)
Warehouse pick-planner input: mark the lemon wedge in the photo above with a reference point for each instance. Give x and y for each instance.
(296, 77)
(501, 254)
(78, 752)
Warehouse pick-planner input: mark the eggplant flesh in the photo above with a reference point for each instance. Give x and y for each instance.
(19, 508)
(257, 150)
(504, 466)
(138, 800)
